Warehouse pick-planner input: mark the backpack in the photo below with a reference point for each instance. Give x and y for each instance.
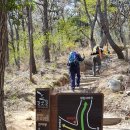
(73, 57)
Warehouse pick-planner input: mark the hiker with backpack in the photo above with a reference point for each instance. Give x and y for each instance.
(97, 56)
(74, 68)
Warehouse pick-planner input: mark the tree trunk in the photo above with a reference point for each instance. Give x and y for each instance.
(45, 31)
(24, 32)
(114, 46)
(123, 40)
(18, 53)
(92, 40)
(103, 40)
(122, 36)
(93, 43)
(105, 27)
(12, 40)
(6, 51)
(3, 33)
(30, 32)
(112, 43)
(46, 53)
(92, 23)
(129, 28)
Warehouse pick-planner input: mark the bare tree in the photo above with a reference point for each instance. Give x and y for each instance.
(23, 27)
(30, 32)
(45, 28)
(92, 23)
(105, 28)
(3, 33)
(12, 39)
(7, 50)
(18, 51)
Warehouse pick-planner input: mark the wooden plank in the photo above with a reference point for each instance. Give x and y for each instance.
(86, 84)
(115, 128)
(90, 76)
(71, 91)
(111, 121)
(87, 80)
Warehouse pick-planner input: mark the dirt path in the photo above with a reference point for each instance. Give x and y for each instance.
(115, 104)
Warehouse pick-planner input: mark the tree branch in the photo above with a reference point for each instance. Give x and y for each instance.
(86, 9)
(38, 3)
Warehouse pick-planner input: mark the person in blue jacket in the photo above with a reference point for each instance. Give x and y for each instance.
(74, 68)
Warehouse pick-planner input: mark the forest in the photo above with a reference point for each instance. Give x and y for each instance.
(38, 34)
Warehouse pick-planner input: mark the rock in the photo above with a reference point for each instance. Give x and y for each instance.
(82, 67)
(86, 65)
(42, 72)
(114, 85)
(128, 93)
(119, 77)
(8, 81)
(111, 121)
(56, 83)
(121, 92)
(31, 108)
(127, 118)
(29, 118)
(63, 80)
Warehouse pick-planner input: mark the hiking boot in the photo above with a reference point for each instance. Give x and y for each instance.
(98, 72)
(72, 88)
(77, 85)
(94, 74)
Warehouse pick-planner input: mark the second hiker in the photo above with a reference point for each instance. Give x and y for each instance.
(97, 60)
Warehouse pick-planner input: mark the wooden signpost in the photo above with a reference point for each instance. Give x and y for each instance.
(42, 109)
(69, 111)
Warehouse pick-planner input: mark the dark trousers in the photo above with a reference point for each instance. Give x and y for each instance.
(74, 77)
(96, 63)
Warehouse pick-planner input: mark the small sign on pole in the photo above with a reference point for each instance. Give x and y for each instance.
(42, 109)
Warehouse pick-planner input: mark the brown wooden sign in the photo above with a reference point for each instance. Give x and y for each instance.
(68, 111)
(42, 109)
(80, 111)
